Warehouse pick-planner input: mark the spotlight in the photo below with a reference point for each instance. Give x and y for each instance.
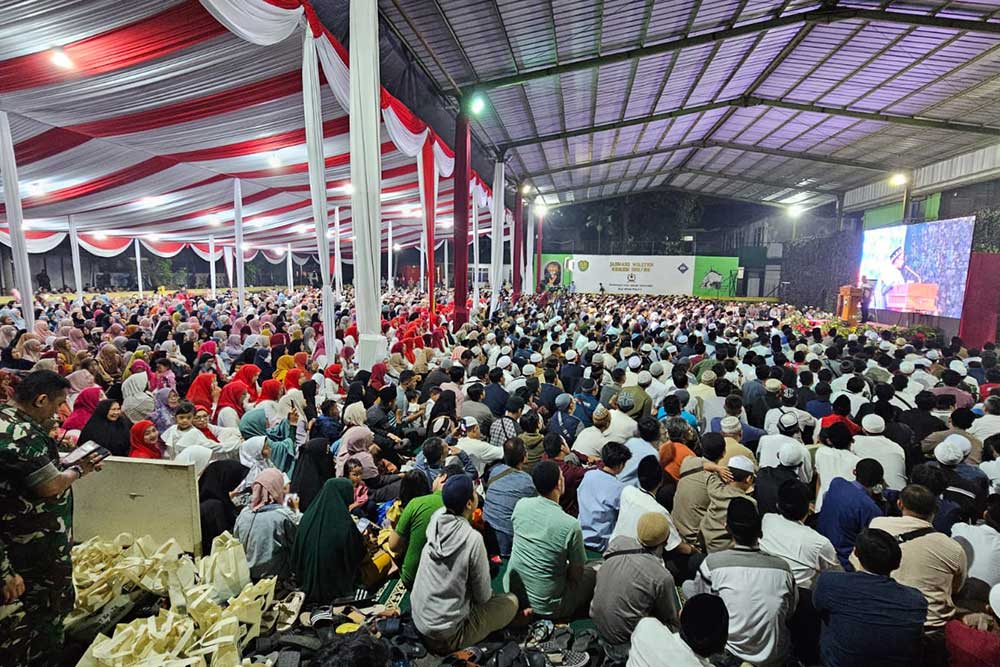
(100, 236)
(525, 189)
(477, 104)
(60, 59)
(35, 189)
(898, 179)
(541, 210)
(274, 161)
(795, 211)
(396, 246)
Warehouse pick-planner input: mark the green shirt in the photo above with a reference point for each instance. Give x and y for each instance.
(547, 541)
(412, 527)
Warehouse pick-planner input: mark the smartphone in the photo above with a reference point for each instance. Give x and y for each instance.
(462, 428)
(82, 452)
(363, 525)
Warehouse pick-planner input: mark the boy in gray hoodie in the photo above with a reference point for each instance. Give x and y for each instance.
(453, 603)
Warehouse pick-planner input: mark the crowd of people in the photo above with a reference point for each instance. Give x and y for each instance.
(705, 482)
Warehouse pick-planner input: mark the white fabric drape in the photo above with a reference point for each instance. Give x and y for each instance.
(227, 260)
(475, 252)
(255, 21)
(428, 207)
(12, 199)
(74, 252)
(496, 236)
(289, 269)
(338, 268)
(36, 243)
(211, 265)
(445, 244)
(238, 234)
(327, 312)
(138, 266)
(529, 253)
(423, 256)
(366, 175)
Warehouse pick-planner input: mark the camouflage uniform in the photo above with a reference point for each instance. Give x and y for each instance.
(35, 540)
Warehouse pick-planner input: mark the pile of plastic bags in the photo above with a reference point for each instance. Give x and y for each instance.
(214, 609)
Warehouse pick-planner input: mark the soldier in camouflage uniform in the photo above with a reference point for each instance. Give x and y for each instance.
(36, 514)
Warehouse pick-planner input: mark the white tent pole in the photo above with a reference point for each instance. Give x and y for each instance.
(496, 240)
(475, 253)
(392, 281)
(529, 256)
(74, 251)
(238, 232)
(366, 178)
(138, 266)
(338, 268)
(289, 269)
(211, 265)
(12, 199)
(423, 255)
(445, 242)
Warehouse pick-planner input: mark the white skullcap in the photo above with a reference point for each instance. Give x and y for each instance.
(528, 369)
(503, 362)
(790, 454)
(873, 424)
(961, 442)
(948, 453)
(571, 355)
(958, 367)
(741, 463)
(536, 357)
(907, 368)
(634, 362)
(592, 345)
(645, 378)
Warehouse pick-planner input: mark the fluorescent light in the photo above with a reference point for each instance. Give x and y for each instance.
(525, 189)
(541, 210)
(35, 189)
(898, 179)
(447, 224)
(348, 189)
(396, 246)
(303, 229)
(213, 219)
(150, 202)
(795, 211)
(274, 161)
(60, 59)
(154, 237)
(100, 236)
(280, 251)
(477, 104)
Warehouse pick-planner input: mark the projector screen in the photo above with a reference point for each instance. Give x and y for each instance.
(918, 268)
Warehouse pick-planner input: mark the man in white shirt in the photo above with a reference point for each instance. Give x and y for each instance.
(989, 424)
(855, 393)
(873, 445)
(636, 501)
(982, 547)
(704, 630)
(656, 389)
(921, 374)
(769, 446)
(480, 452)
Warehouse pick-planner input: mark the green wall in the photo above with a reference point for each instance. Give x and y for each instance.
(892, 214)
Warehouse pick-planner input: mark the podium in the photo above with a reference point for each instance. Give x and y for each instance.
(848, 304)
(913, 298)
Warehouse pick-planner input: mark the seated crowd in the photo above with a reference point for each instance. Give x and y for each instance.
(703, 481)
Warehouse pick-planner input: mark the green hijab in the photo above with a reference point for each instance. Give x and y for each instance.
(328, 549)
(254, 424)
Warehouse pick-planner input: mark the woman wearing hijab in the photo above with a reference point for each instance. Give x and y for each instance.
(145, 441)
(292, 379)
(109, 428)
(203, 390)
(313, 468)
(137, 400)
(215, 488)
(110, 361)
(281, 437)
(285, 363)
(270, 393)
(247, 374)
(266, 528)
(444, 418)
(83, 408)
(302, 361)
(328, 549)
(333, 382)
(199, 456)
(355, 444)
(230, 408)
(377, 380)
(164, 404)
(78, 381)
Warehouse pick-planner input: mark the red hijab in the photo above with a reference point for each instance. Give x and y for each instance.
(292, 378)
(139, 449)
(301, 359)
(200, 391)
(270, 390)
(231, 396)
(377, 380)
(83, 407)
(207, 431)
(247, 374)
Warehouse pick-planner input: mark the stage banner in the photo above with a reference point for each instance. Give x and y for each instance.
(715, 276)
(620, 274)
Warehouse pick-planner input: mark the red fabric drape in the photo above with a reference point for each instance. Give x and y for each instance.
(982, 300)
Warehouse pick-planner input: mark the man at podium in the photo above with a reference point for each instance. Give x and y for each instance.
(891, 276)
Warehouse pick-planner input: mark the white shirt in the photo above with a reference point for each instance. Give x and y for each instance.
(992, 470)
(807, 552)
(831, 462)
(654, 645)
(857, 400)
(888, 453)
(621, 429)
(482, 453)
(589, 441)
(772, 416)
(634, 503)
(982, 547)
(767, 455)
(657, 392)
(985, 426)
(928, 380)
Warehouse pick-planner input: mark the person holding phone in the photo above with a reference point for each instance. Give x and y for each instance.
(36, 504)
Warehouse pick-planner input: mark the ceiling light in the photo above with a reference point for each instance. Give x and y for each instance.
(274, 161)
(348, 189)
(280, 251)
(150, 202)
(476, 104)
(525, 189)
(396, 246)
(100, 236)
(898, 179)
(213, 219)
(303, 229)
(541, 210)
(36, 189)
(154, 237)
(795, 211)
(353, 238)
(447, 224)
(60, 59)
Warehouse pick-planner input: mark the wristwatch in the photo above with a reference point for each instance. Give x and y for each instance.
(78, 469)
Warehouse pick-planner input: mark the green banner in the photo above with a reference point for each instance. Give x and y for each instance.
(715, 276)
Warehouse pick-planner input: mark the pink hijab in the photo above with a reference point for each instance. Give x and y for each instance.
(267, 488)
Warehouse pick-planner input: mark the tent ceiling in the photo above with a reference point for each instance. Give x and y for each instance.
(138, 126)
(772, 101)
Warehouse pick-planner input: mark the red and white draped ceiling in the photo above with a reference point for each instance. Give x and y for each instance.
(135, 117)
